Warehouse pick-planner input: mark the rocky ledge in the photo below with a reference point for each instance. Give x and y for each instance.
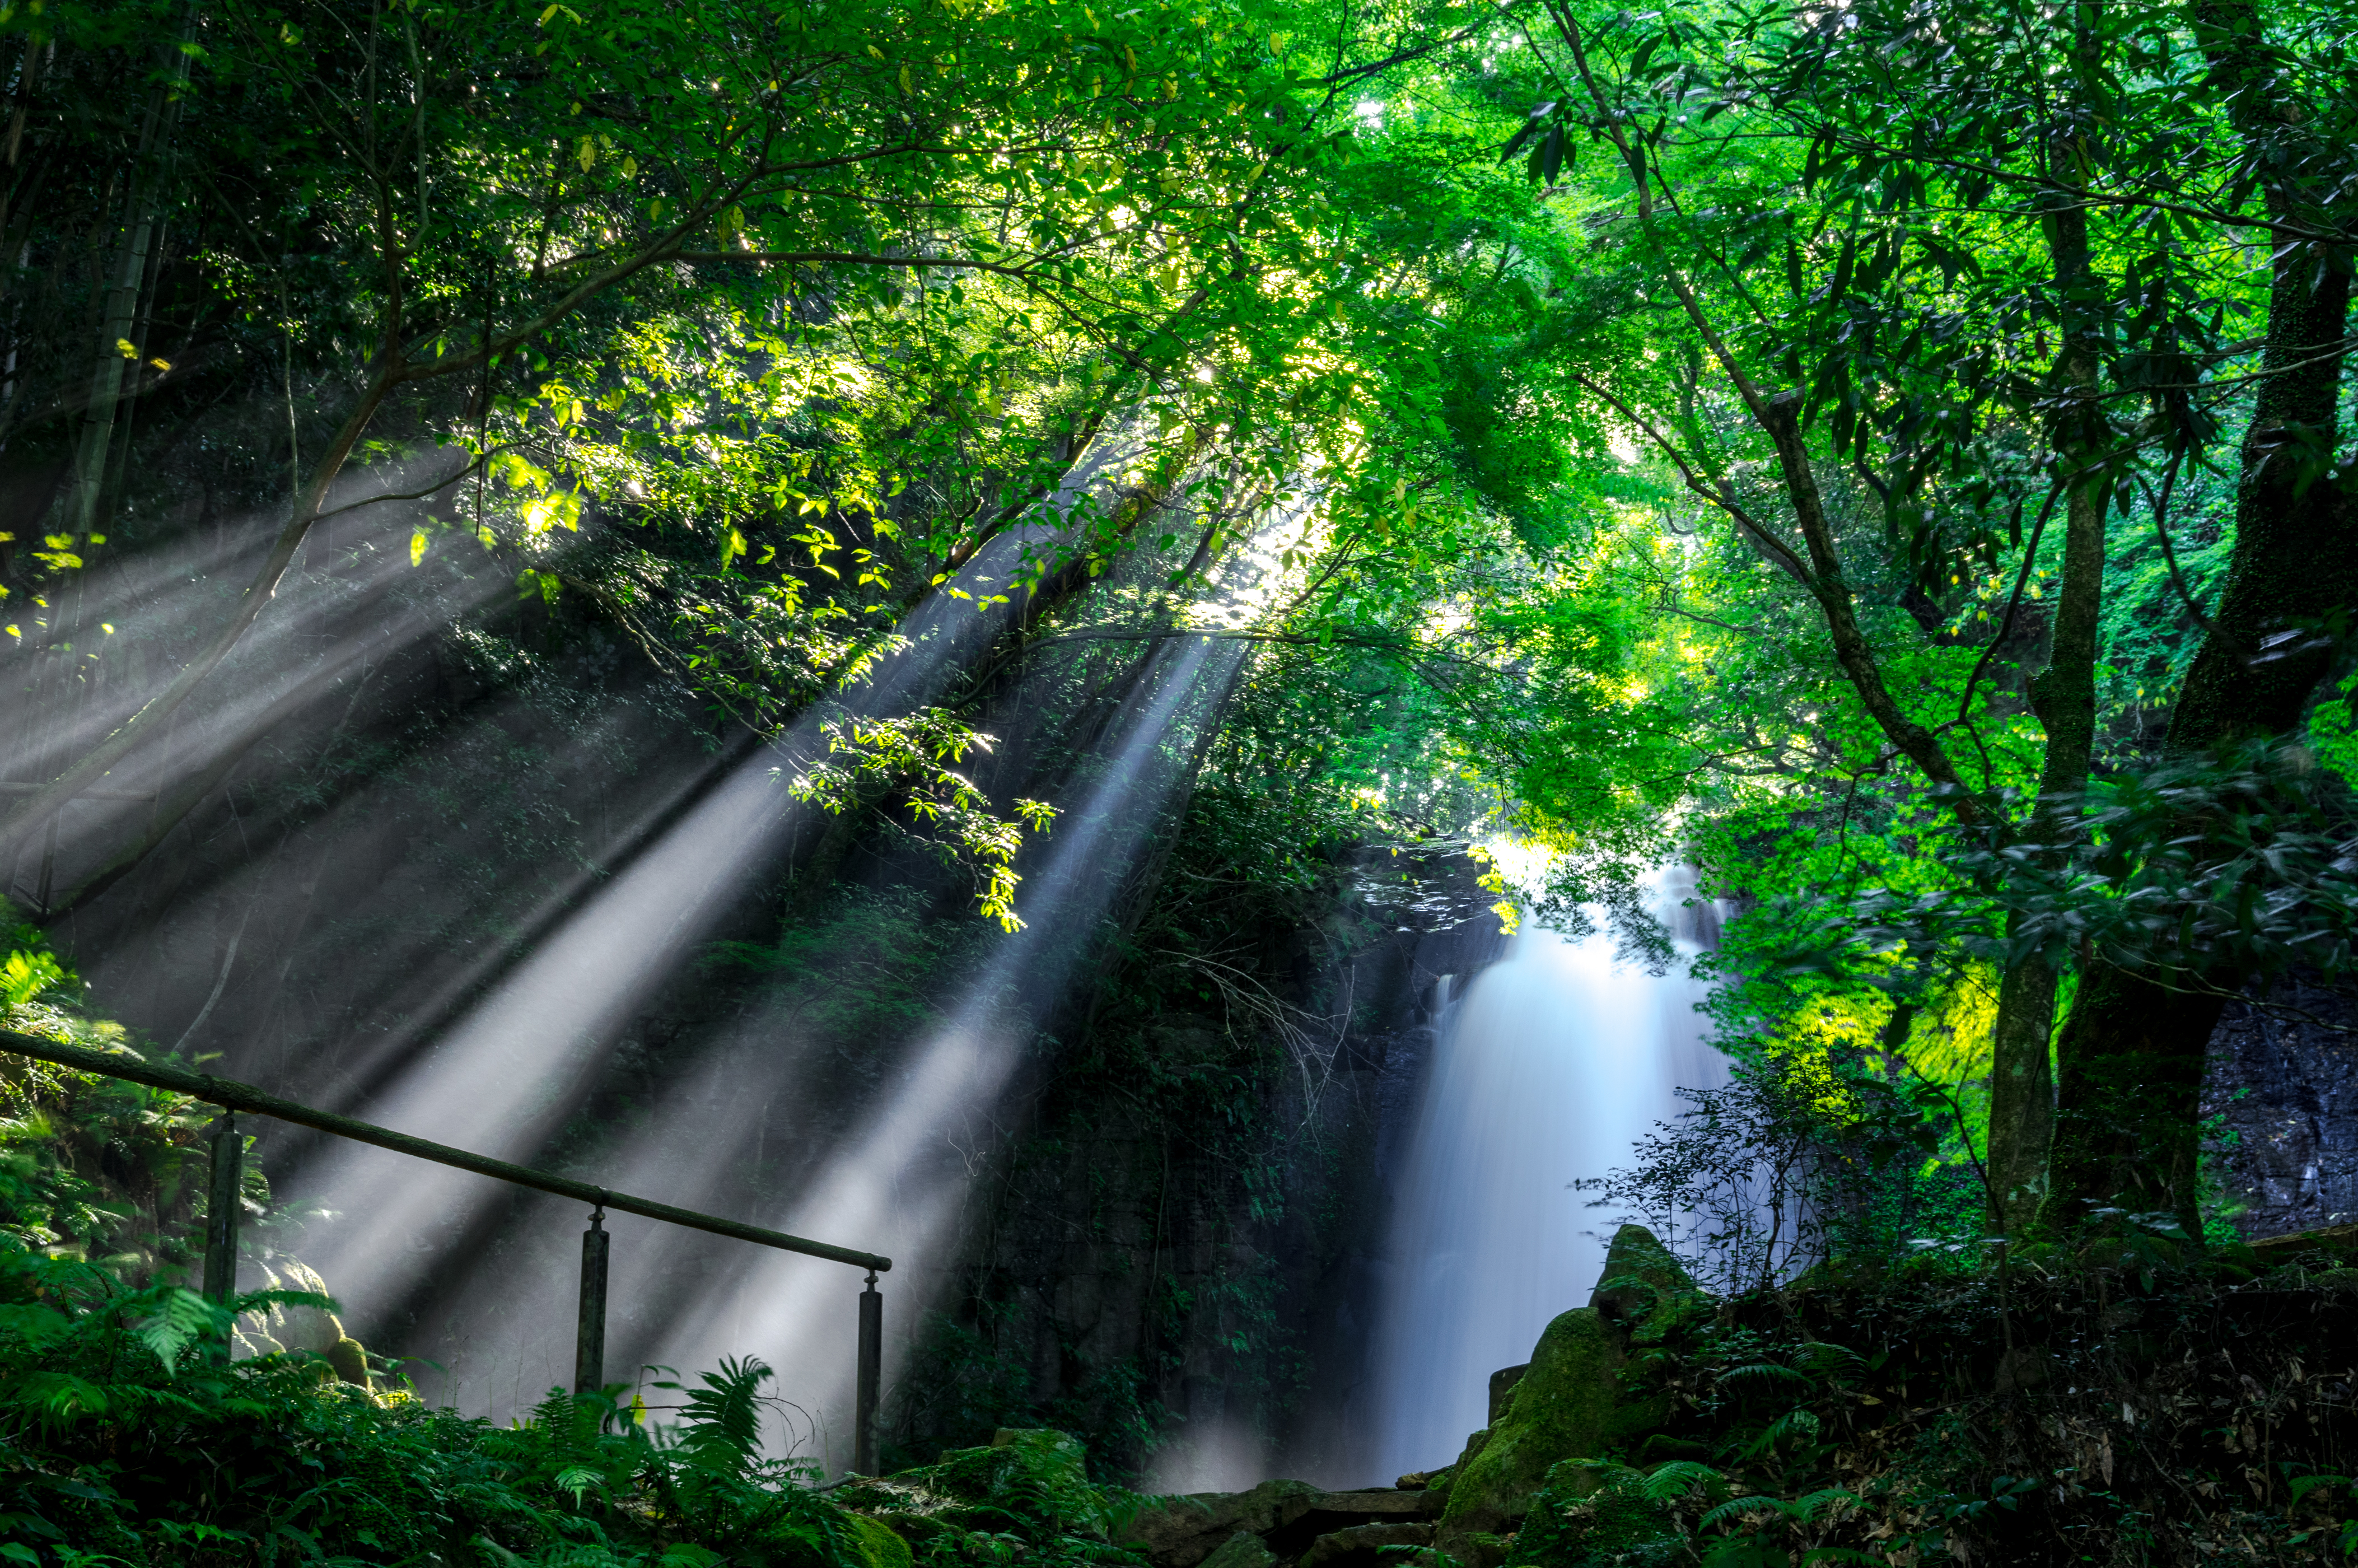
(1566, 1405)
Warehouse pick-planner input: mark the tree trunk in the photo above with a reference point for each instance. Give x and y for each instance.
(2132, 1054)
(127, 279)
(2063, 696)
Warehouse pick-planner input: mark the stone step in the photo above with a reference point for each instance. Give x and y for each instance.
(1388, 1503)
(1359, 1545)
(1184, 1531)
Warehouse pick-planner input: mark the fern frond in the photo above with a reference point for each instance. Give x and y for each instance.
(1679, 1477)
(1770, 1370)
(1824, 1357)
(181, 1318)
(721, 1429)
(1745, 1507)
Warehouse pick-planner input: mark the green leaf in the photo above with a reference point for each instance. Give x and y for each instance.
(1555, 150)
(181, 1318)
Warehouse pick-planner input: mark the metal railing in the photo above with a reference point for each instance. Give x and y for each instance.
(590, 1334)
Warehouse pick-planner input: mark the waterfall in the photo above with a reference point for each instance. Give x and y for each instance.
(1548, 1068)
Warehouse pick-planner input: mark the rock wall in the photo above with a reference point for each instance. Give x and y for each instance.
(2283, 1095)
(1196, 1290)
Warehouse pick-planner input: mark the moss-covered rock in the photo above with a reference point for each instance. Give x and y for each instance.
(1182, 1531)
(1487, 1548)
(1242, 1550)
(350, 1358)
(879, 1546)
(1562, 1408)
(1361, 1545)
(918, 1527)
(1568, 1406)
(1643, 1289)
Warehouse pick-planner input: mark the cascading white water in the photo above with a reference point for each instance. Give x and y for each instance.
(1549, 1068)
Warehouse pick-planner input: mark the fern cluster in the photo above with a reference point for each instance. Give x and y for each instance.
(128, 1438)
(91, 1167)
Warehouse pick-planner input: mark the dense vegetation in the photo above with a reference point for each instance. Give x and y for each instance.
(1894, 459)
(1862, 445)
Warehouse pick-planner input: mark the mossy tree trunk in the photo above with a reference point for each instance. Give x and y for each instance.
(2063, 694)
(2131, 1057)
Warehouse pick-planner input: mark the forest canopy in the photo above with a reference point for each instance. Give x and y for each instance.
(1894, 458)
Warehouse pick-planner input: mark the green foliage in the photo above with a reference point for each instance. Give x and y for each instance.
(1592, 1514)
(111, 1400)
(1802, 1161)
(758, 347)
(91, 1167)
(1976, 1415)
(2204, 873)
(1025, 1494)
(26, 975)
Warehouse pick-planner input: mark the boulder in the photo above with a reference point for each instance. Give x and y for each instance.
(1562, 1408)
(1359, 1544)
(350, 1358)
(1182, 1531)
(1502, 1383)
(291, 1328)
(1569, 1405)
(1643, 1291)
(1242, 1550)
(878, 1546)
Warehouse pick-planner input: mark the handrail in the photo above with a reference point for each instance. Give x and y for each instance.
(245, 1096)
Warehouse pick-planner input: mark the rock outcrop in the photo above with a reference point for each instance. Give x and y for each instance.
(1182, 1531)
(1361, 1545)
(1553, 1422)
(1643, 1290)
(1288, 1520)
(1571, 1402)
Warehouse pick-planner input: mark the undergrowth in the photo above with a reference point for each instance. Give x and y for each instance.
(127, 1439)
(130, 1439)
(91, 1167)
(2131, 1401)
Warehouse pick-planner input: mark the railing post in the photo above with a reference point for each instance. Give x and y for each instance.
(868, 1380)
(222, 1194)
(589, 1338)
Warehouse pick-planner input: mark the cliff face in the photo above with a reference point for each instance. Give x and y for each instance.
(2284, 1095)
(1188, 1271)
(1428, 929)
